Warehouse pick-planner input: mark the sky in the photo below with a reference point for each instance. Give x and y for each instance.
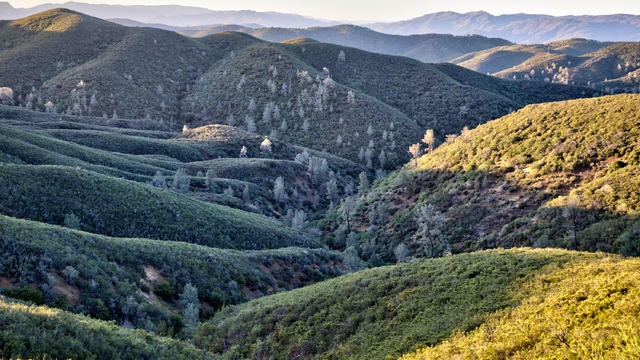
(388, 10)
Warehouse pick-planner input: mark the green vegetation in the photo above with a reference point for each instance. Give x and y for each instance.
(385, 311)
(29, 331)
(586, 310)
(102, 276)
(351, 103)
(510, 182)
(115, 207)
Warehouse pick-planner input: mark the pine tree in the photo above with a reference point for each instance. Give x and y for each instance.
(364, 183)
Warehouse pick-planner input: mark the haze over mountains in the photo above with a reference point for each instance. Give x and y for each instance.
(519, 28)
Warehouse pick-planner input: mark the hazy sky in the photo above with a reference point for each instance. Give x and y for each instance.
(364, 10)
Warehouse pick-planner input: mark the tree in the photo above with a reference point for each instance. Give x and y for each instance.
(347, 207)
(72, 221)
(305, 125)
(414, 150)
(351, 259)
(332, 189)
(231, 120)
(429, 234)
(6, 95)
(571, 213)
(298, 219)
(279, 191)
(401, 252)
(283, 125)
(429, 139)
(246, 197)
(382, 159)
(181, 181)
(266, 114)
(252, 106)
(364, 183)
(243, 152)
(351, 98)
(251, 124)
(158, 180)
(228, 191)
(266, 145)
(342, 56)
(191, 307)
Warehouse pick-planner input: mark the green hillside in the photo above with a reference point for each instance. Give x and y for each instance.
(587, 310)
(30, 331)
(384, 312)
(558, 174)
(355, 104)
(102, 276)
(114, 207)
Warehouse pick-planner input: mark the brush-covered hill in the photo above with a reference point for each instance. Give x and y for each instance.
(560, 174)
(452, 303)
(38, 331)
(355, 104)
(611, 67)
(115, 207)
(106, 277)
(352, 98)
(431, 48)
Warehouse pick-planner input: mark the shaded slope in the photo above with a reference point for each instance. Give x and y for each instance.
(512, 182)
(96, 275)
(116, 207)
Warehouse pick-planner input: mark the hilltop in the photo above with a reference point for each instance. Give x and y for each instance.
(317, 95)
(612, 67)
(452, 303)
(558, 174)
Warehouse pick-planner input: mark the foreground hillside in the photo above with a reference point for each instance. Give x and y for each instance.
(108, 277)
(452, 301)
(612, 67)
(559, 174)
(355, 104)
(30, 331)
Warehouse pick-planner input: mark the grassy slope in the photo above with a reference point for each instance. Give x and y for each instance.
(30, 331)
(112, 269)
(506, 183)
(587, 310)
(385, 311)
(116, 207)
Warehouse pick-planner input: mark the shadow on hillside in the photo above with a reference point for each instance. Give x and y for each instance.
(486, 210)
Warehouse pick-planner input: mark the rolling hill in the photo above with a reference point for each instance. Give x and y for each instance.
(430, 48)
(452, 303)
(30, 330)
(312, 95)
(550, 175)
(102, 276)
(606, 66)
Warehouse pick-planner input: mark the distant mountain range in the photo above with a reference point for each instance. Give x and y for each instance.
(518, 28)
(425, 47)
(172, 15)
